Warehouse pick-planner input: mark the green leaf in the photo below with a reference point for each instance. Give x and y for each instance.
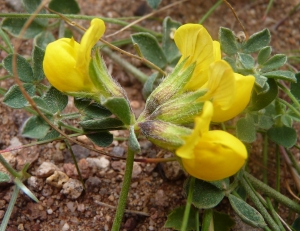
(102, 124)
(285, 136)
(150, 84)
(231, 62)
(43, 39)
(4, 177)
(222, 221)
(150, 48)
(37, 63)
(133, 143)
(24, 69)
(245, 130)
(153, 3)
(14, 97)
(174, 220)
(274, 62)
(246, 60)
(246, 212)
(20, 184)
(102, 139)
(287, 120)
(90, 109)
(285, 75)
(42, 105)
(228, 41)
(14, 26)
(296, 224)
(52, 134)
(35, 127)
(55, 100)
(261, 101)
(295, 86)
(265, 122)
(31, 5)
(264, 54)
(168, 45)
(257, 41)
(205, 195)
(119, 107)
(260, 80)
(65, 6)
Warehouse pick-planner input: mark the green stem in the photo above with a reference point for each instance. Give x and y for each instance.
(288, 92)
(278, 170)
(267, 190)
(83, 17)
(61, 30)
(274, 214)
(6, 39)
(293, 161)
(289, 106)
(4, 49)
(124, 192)
(71, 128)
(265, 159)
(5, 77)
(268, 8)
(126, 65)
(10, 207)
(74, 115)
(207, 220)
(188, 205)
(197, 220)
(7, 166)
(259, 205)
(209, 12)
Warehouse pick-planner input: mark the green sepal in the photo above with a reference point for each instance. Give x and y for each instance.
(14, 97)
(43, 39)
(168, 45)
(102, 80)
(65, 7)
(171, 85)
(245, 129)
(174, 220)
(120, 108)
(89, 109)
(274, 62)
(264, 54)
(247, 61)
(102, 139)
(180, 110)
(150, 49)
(164, 134)
(284, 75)
(246, 212)
(261, 101)
(24, 69)
(31, 6)
(102, 124)
(257, 41)
(295, 86)
(14, 26)
(149, 85)
(35, 127)
(37, 64)
(228, 41)
(133, 143)
(153, 3)
(205, 195)
(284, 136)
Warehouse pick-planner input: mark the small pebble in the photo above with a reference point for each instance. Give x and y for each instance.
(65, 227)
(72, 189)
(49, 211)
(46, 169)
(118, 151)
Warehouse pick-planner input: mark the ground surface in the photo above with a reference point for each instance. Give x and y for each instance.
(155, 189)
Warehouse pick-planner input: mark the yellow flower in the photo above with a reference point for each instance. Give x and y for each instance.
(194, 41)
(211, 155)
(66, 62)
(229, 92)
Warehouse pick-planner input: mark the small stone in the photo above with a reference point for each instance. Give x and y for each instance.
(135, 104)
(49, 211)
(134, 185)
(118, 151)
(2, 212)
(111, 198)
(160, 198)
(80, 207)
(93, 182)
(130, 223)
(70, 170)
(46, 169)
(35, 183)
(98, 163)
(15, 142)
(172, 170)
(83, 139)
(15, 4)
(118, 165)
(65, 227)
(58, 156)
(79, 152)
(72, 189)
(84, 168)
(21, 227)
(47, 191)
(136, 171)
(71, 206)
(57, 179)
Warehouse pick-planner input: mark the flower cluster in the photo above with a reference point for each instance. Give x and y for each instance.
(202, 88)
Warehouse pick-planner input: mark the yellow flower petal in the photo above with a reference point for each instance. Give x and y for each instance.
(201, 126)
(244, 85)
(89, 39)
(218, 155)
(194, 41)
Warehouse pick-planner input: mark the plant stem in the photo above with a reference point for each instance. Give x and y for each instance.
(209, 12)
(277, 174)
(126, 65)
(10, 207)
(267, 190)
(293, 161)
(289, 106)
(274, 214)
(207, 224)
(7, 166)
(265, 159)
(124, 192)
(288, 92)
(259, 205)
(188, 205)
